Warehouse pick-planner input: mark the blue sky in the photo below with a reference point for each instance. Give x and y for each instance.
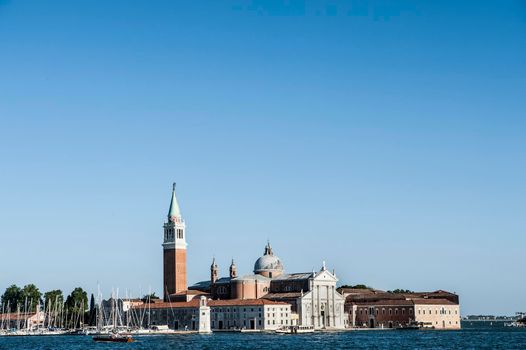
(387, 138)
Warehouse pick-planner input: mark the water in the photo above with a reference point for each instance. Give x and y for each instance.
(470, 337)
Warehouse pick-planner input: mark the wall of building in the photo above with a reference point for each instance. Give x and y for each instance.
(438, 316)
(174, 261)
(249, 289)
(256, 317)
(322, 307)
(383, 315)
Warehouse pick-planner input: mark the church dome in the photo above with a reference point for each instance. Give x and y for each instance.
(268, 265)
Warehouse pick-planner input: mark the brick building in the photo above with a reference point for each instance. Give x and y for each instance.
(372, 308)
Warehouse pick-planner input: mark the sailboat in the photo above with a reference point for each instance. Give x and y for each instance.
(113, 335)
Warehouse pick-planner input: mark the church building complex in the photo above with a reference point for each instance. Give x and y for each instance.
(269, 298)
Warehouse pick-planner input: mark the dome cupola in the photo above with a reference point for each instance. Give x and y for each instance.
(269, 265)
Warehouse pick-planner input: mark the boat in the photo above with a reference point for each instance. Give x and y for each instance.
(295, 329)
(115, 338)
(110, 333)
(414, 326)
(519, 322)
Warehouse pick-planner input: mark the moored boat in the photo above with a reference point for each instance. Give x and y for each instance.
(295, 329)
(116, 338)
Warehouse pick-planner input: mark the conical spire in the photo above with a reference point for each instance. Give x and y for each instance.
(174, 214)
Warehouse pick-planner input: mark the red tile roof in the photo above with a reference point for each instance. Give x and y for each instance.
(422, 301)
(386, 302)
(245, 302)
(194, 303)
(16, 316)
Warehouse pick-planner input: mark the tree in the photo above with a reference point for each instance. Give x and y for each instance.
(356, 286)
(149, 297)
(53, 299)
(76, 305)
(11, 298)
(31, 298)
(92, 313)
(400, 291)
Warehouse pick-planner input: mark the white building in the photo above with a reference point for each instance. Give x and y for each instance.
(437, 313)
(249, 314)
(313, 297)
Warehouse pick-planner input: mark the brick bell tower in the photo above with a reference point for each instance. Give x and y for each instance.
(174, 248)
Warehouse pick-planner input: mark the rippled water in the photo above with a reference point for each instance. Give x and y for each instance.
(467, 338)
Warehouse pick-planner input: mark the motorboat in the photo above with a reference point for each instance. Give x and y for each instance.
(295, 329)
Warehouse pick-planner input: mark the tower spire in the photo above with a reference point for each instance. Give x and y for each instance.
(174, 213)
(174, 250)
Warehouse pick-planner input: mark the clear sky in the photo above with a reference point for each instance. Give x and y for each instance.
(387, 138)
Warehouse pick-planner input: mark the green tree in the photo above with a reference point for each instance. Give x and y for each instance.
(31, 297)
(11, 298)
(92, 313)
(53, 299)
(150, 297)
(400, 291)
(76, 306)
(356, 286)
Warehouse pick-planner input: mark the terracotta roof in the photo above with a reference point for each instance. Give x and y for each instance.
(190, 292)
(16, 316)
(248, 302)
(374, 296)
(194, 303)
(357, 290)
(422, 301)
(386, 302)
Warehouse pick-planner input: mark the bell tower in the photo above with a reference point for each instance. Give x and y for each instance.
(174, 248)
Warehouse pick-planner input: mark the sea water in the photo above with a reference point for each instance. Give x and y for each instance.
(470, 337)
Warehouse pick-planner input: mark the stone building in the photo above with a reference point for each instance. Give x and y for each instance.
(255, 314)
(193, 315)
(313, 297)
(378, 309)
(202, 315)
(437, 313)
(24, 320)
